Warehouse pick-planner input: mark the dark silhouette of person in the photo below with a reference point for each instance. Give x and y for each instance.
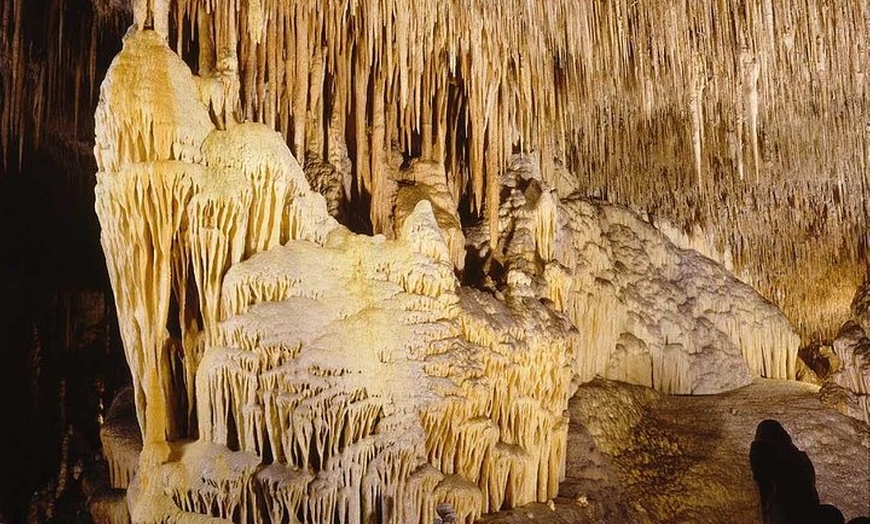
(785, 476)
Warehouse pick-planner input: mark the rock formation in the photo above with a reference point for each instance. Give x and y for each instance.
(848, 389)
(343, 376)
(646, 311)
(392, 330)
(349, 376)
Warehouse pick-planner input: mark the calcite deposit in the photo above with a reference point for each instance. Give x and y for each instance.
(646, 311)
(362, 253)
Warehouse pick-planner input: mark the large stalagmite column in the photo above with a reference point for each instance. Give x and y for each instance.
(145, 153)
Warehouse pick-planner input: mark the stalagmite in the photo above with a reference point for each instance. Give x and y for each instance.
(145, 152)
(429, 182)
(140, 211)
(218, 197)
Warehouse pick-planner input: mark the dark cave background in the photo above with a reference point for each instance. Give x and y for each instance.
(60, 353)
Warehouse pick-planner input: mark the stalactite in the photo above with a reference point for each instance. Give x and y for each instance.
(610, 88)
(784, 104)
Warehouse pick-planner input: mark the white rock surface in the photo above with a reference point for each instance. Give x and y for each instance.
(647, 312)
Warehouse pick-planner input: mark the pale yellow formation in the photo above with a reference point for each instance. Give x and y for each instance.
(180, 202)
(140, 210)
(362, 363)
(349, 376)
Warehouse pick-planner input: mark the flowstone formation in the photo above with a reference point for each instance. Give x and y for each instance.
(327, 375)
(380, 388)
(646, 311)
(285, 368)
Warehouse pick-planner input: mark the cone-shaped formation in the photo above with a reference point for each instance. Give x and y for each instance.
(426, 181)
(647, 312)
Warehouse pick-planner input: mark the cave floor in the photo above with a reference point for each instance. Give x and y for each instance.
(685, 459)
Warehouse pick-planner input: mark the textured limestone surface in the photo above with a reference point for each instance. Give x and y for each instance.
(638, 456)
(361, 365)
(287, 369)
(646, 311)
(848, 388)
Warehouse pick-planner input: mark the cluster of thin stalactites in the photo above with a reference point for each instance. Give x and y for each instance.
(748, 119)
(726, 115)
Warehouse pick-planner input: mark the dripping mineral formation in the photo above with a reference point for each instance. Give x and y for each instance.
(750, 129)
(341, 376)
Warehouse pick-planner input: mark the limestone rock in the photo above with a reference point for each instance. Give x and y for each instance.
(685, 458)
(363, 363)
(647, 312)
(848, 389)
(330, 376)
